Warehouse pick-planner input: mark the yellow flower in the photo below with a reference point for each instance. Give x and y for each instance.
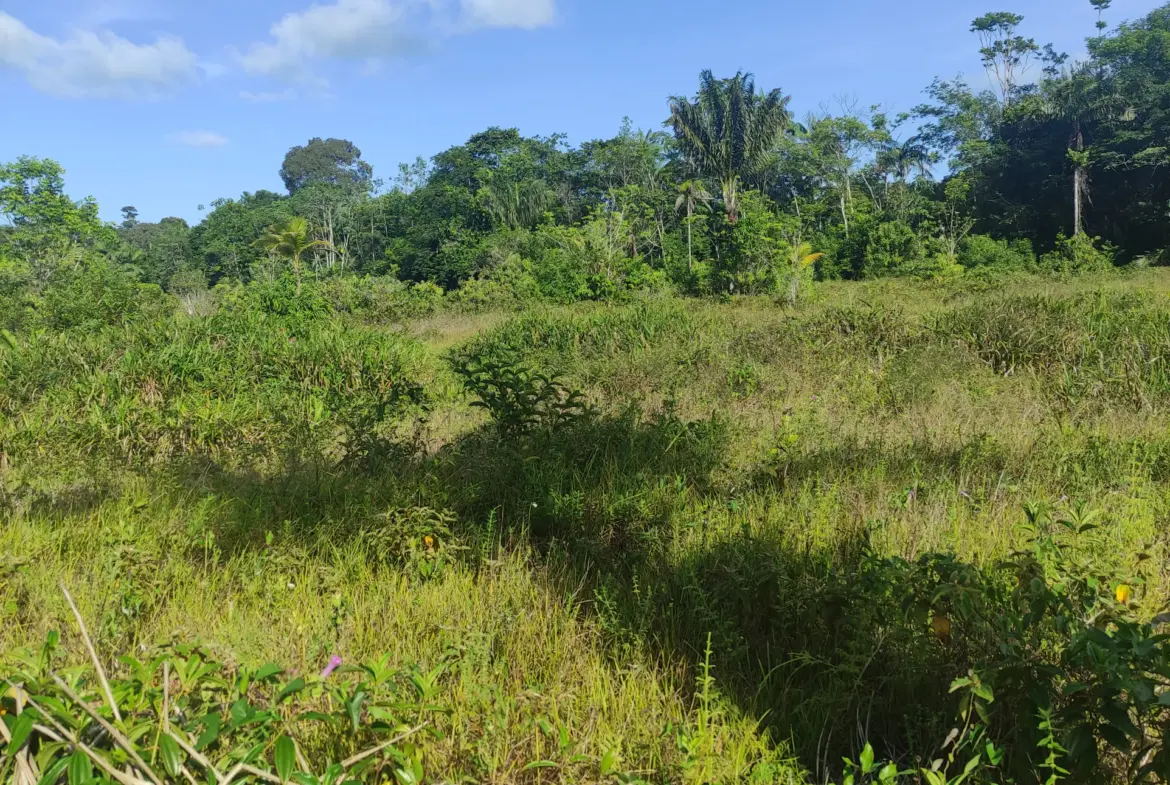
(429, 542)
(1123, 593)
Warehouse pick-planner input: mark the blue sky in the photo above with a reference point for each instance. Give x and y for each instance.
(169, 104)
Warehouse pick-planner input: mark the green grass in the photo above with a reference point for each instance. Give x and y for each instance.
(266, 488)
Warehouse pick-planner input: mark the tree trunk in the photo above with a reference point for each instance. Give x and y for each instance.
(730, 198)
(1080, 182)
(1078, 195)
(690, 257)
(793, 285)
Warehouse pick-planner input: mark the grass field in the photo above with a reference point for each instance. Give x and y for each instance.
(676, 585)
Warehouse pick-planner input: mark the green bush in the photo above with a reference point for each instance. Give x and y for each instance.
(95, 294)
(892, 248)
(257, 380)
(1064, 677)
(979, 250)
(518, 398)
(1078, 254)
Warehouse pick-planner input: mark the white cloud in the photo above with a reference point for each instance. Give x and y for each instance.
(268, 97)
(368, 31)
(95, 64)
(201, 139)
(346, 29)
(527, 14)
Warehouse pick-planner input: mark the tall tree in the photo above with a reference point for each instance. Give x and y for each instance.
(690, 195)
(1075, 100)
(34, 202)
(730, 132)
(906, 159)
(1005, 54)
(331, 161)
(1102, 6)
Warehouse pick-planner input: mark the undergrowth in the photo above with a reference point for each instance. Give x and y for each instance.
(914, 526)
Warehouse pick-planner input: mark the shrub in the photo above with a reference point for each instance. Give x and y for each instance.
(979, 250)
(518, 398)
(1078, 254)
(280, 297)
(1063, 676)
(891, 248)
(95, 294)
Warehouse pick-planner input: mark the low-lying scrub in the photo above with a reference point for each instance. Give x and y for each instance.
(667, 541)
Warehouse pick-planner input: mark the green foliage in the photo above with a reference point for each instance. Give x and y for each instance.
(1077, 254)
(981, 251)
(892, 247)
(92, 295)
(328, 161)
(180, 713)
(518, 398)
(33, 201)
(729, 132)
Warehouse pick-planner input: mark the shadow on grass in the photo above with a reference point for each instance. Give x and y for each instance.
(628, 506)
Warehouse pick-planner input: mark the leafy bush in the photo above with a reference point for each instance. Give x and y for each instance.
(979, 250)
(242, 384)
(1078, 254)
(518, 398)
(95, 294)
(891, 247)
(1064, 676)
(297, 307)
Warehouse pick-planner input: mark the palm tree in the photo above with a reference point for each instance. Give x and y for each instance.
(516, 205)
(910, 158)
(801, 258)
(1076, 99)
(690, 195)
(291, 241)
(729, 132)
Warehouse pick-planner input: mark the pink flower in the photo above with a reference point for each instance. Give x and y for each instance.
(334, 663)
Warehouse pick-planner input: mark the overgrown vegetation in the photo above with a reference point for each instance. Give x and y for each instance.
(661, 541)
(560, 464)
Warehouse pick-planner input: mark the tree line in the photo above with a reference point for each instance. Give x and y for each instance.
(1057, 164)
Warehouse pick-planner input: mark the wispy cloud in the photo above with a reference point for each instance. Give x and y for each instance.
(95, 64)
(525, 14)
(263, 97)
(202, 139)
(368, 31)
(347, 29)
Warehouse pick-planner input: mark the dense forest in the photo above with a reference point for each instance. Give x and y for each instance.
(756, 448)
(1058, 165)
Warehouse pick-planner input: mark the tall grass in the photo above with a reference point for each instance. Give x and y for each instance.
(684, 575)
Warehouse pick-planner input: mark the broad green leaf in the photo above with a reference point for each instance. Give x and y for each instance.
(286, 757)
(21, 729)
(867, 759)
(268, 671)
(609, 762)
(540, 764)
(54, 772)
(80, 769)
(210, 733)
(172, 756)
(296, 685)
